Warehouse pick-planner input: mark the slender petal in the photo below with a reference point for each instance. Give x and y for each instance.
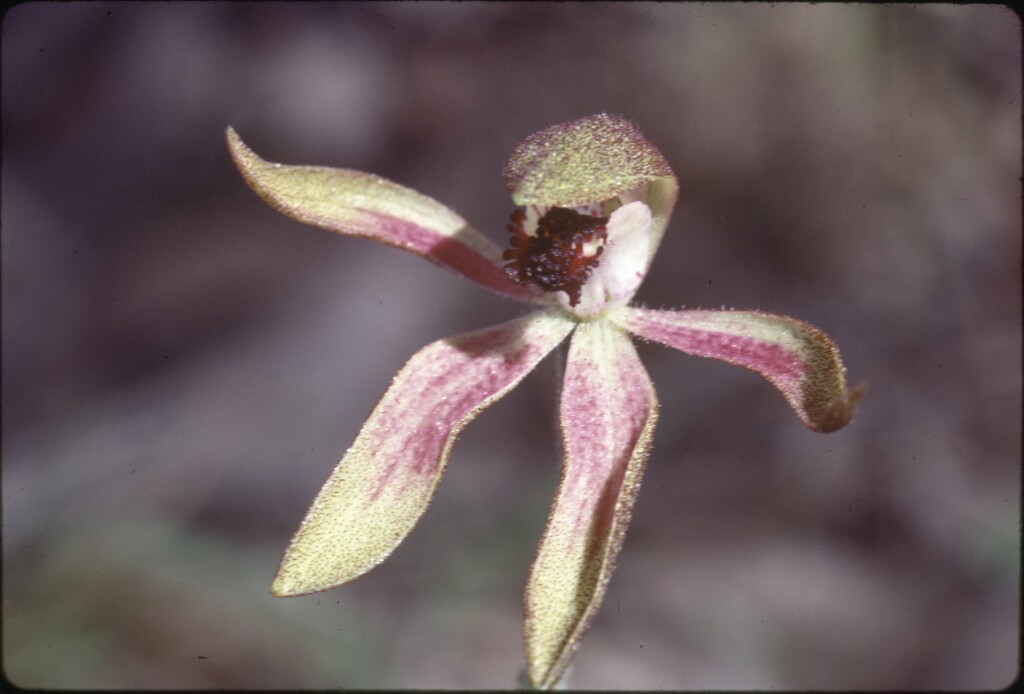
(609, 410)
(383, 484)
(360, 204)
(797, 358)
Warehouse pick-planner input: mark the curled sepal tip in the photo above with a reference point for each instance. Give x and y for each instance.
(368, 206)
(797, 358)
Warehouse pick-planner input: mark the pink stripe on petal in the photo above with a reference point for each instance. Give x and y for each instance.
(797, 358)
(609, 410)
(383, 484)
(363, 205)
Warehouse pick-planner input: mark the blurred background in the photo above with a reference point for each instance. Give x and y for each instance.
(183, 366)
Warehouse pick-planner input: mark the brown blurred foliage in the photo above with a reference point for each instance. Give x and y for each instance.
(182, 366)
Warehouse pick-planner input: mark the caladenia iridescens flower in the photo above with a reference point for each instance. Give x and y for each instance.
(594, 198)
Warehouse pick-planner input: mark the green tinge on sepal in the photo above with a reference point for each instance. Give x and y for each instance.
(354, 203)
(591, 160)
(581, 162)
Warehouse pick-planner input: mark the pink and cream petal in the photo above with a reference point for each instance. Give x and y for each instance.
(360, 204)
(382, 486)
(797, 358)
(608, 414)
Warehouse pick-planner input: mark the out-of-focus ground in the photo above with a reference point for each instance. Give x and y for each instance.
(183, 366)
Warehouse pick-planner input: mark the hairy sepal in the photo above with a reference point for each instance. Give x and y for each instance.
(797, 358)
(608, 413)
(384, 483)
(581, 162)
(367, 206)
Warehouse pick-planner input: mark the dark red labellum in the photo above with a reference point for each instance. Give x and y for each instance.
(554, 258)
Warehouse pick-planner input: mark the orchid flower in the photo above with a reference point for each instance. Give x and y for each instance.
(593, 198)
